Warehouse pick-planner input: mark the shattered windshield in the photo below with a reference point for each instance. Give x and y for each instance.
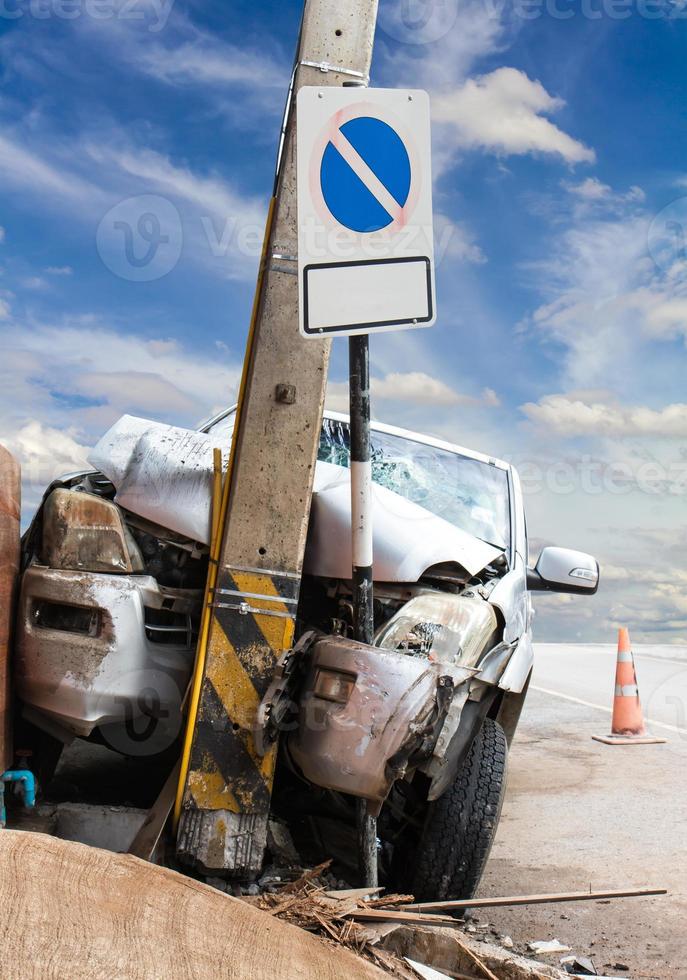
(467, 493)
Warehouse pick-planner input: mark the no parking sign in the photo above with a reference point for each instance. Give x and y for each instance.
(365, 240)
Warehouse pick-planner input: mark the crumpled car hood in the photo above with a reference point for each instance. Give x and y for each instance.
(407, 539)
(164, 474)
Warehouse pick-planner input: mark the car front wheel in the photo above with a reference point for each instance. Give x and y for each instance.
(460, 826)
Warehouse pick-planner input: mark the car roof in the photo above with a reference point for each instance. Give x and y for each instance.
(391, 430)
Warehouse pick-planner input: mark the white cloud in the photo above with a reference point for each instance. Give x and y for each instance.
(591, 189)
(411, 388)
(82, 376)
(5, 311)
(666, 315)
(223, 227)
(453, 240)
(62, 386)
(505, 112)
(208, 61)
(21, 166)
(2, 234)
(44, 452)
(34, 282)
(592, 194)
(569, 416)
(599, 288)
(417, 387)
(476, 29)
(228, 77)
(211, 194)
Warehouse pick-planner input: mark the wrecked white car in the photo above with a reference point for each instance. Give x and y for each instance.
(114, 566)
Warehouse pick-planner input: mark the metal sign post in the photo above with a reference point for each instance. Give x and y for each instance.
(365, 264)
(361, 531)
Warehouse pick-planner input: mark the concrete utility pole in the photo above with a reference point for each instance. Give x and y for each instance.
(228, 786)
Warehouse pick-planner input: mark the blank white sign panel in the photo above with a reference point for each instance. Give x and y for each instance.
(364, 295)
(365, 230)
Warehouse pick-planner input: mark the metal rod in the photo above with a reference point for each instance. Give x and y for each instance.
(361, 548)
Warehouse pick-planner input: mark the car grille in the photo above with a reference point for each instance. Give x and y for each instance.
(167, 626)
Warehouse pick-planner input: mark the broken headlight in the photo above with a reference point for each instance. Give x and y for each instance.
(443, 627)
(83, 532)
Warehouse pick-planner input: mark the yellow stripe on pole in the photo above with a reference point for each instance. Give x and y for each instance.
(205, 787)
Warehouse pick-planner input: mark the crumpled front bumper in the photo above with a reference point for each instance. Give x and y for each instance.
(365, 713)
(90, 650)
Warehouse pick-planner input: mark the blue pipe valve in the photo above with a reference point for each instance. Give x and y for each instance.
(27, 783)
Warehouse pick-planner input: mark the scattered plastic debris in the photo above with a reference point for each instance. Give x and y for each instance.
(547, 946)
(579, 965)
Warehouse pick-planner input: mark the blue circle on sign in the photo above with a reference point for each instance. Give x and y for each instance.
(353, 198)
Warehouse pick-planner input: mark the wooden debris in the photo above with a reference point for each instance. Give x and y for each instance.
(343, 893)
(148, 836)
(384, 901)
(308, 904)
(474, 958)
(306, 877)
(402, 915)
(485, 903)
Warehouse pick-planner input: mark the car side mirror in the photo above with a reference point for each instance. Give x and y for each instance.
(564, 570)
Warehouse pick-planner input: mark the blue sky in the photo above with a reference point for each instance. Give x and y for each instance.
(560, 192)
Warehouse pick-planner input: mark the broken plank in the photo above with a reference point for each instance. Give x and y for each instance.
(344, 893)
(400, 915)
(148, 836)
(485, 903)
(386, 901)
(475, 959)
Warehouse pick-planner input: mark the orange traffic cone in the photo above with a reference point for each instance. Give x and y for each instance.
(627, 726)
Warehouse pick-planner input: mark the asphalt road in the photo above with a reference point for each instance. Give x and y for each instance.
(586, 673)
(579, 814)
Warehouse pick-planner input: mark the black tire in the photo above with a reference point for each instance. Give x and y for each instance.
(460, 827)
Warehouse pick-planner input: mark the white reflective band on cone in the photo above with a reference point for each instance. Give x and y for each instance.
(625, 656)
(626, 691)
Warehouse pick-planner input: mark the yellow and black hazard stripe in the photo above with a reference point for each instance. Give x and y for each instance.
(253, 617)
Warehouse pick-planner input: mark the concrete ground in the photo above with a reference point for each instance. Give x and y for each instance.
(579, 814)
